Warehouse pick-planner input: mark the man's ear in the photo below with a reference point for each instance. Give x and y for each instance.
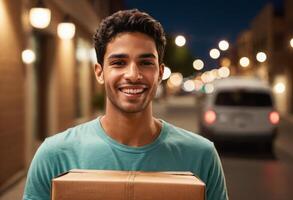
(161, 71)
(99, 73)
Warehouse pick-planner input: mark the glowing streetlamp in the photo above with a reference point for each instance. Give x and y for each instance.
(224, 72)
(279, 88)
(261, 57)
(180, 40)
(40, 16)
(244, 62)
(167, 73)
(28, 56)
(66, 29)
(176, 79)
(291, 42)
(188, 86)
(198, 64)
(223, 45)
(214, 53)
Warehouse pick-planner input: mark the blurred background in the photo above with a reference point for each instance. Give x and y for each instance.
(47, 82)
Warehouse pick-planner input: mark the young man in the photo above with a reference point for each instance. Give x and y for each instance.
(130, 47)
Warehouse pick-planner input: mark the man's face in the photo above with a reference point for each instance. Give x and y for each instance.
(131, 72)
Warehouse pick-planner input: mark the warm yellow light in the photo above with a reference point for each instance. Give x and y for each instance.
(207, 77)
(244, 62)
(214, 53)
(209, 88)
(215, 73)
(40, 17)
(188, 86)
(167, 73)
(28, 56)
(198, 64)
(291, 42)
(223, 45)
(180, 40)
(224, 72)
(82, 54)
(176, 79)
(279, 88)
(93, 56)
(261, 57)
(66, 30)
(225, 62)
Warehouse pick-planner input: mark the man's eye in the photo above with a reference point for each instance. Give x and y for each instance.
(118, 63)
(146, 63)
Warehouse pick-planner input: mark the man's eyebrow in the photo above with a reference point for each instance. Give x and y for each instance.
(147, 55)
(118, 56)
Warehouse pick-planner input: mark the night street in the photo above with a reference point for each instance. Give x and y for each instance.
(250, 173)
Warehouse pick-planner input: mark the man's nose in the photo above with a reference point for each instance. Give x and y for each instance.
(133, 73)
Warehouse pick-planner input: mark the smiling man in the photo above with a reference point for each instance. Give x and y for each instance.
(130, 48)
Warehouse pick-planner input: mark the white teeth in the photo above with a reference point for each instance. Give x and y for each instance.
(132, 91)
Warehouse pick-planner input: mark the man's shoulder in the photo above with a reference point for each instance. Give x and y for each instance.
(188, 139)
(74, 134)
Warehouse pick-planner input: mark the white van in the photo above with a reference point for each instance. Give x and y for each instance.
(240, 108)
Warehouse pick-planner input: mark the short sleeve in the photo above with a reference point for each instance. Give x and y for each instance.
(216, 184)
(38, 183)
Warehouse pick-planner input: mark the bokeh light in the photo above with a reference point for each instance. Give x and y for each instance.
(244, 62)
(28, 56)
(180, 40)
(198, 64)
(214, 53)
(261, 57)
(167, 73)
(279, 88)
(223, 45)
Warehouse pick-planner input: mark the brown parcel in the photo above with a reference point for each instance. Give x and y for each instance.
(127, 185)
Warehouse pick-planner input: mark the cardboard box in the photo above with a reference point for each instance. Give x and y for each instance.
(127, 185)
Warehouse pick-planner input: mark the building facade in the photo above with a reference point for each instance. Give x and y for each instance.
(270, 32)
(55, 91)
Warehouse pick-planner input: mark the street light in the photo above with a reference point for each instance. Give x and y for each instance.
(167, 73)
(40, 16)
(214, 53)
(223, 45)
(188, 86)
(198, 64)
(180, 40)
(279, 88)
(224, 72)
(291, 42)
(66, 29)
(28, 56)
(176, 79)
(244, 62)
(261, 57)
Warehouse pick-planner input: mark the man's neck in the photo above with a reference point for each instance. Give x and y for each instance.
(133, 129)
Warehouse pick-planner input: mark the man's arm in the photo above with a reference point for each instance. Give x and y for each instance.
(216, 184)
(38, 183)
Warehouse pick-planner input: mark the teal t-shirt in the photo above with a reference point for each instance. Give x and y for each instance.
(87, 146)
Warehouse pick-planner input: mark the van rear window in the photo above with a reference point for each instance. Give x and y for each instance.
(243, 98)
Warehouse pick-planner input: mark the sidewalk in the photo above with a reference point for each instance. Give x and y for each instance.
(284, 141)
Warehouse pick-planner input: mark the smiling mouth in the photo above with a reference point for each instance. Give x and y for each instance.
(133, 90)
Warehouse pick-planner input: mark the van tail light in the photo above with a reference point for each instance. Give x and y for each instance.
(210, 117)
(274, 117)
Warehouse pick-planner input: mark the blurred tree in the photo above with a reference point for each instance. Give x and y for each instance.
(178, 59)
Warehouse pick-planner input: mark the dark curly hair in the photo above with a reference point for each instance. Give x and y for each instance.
(128, 21)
